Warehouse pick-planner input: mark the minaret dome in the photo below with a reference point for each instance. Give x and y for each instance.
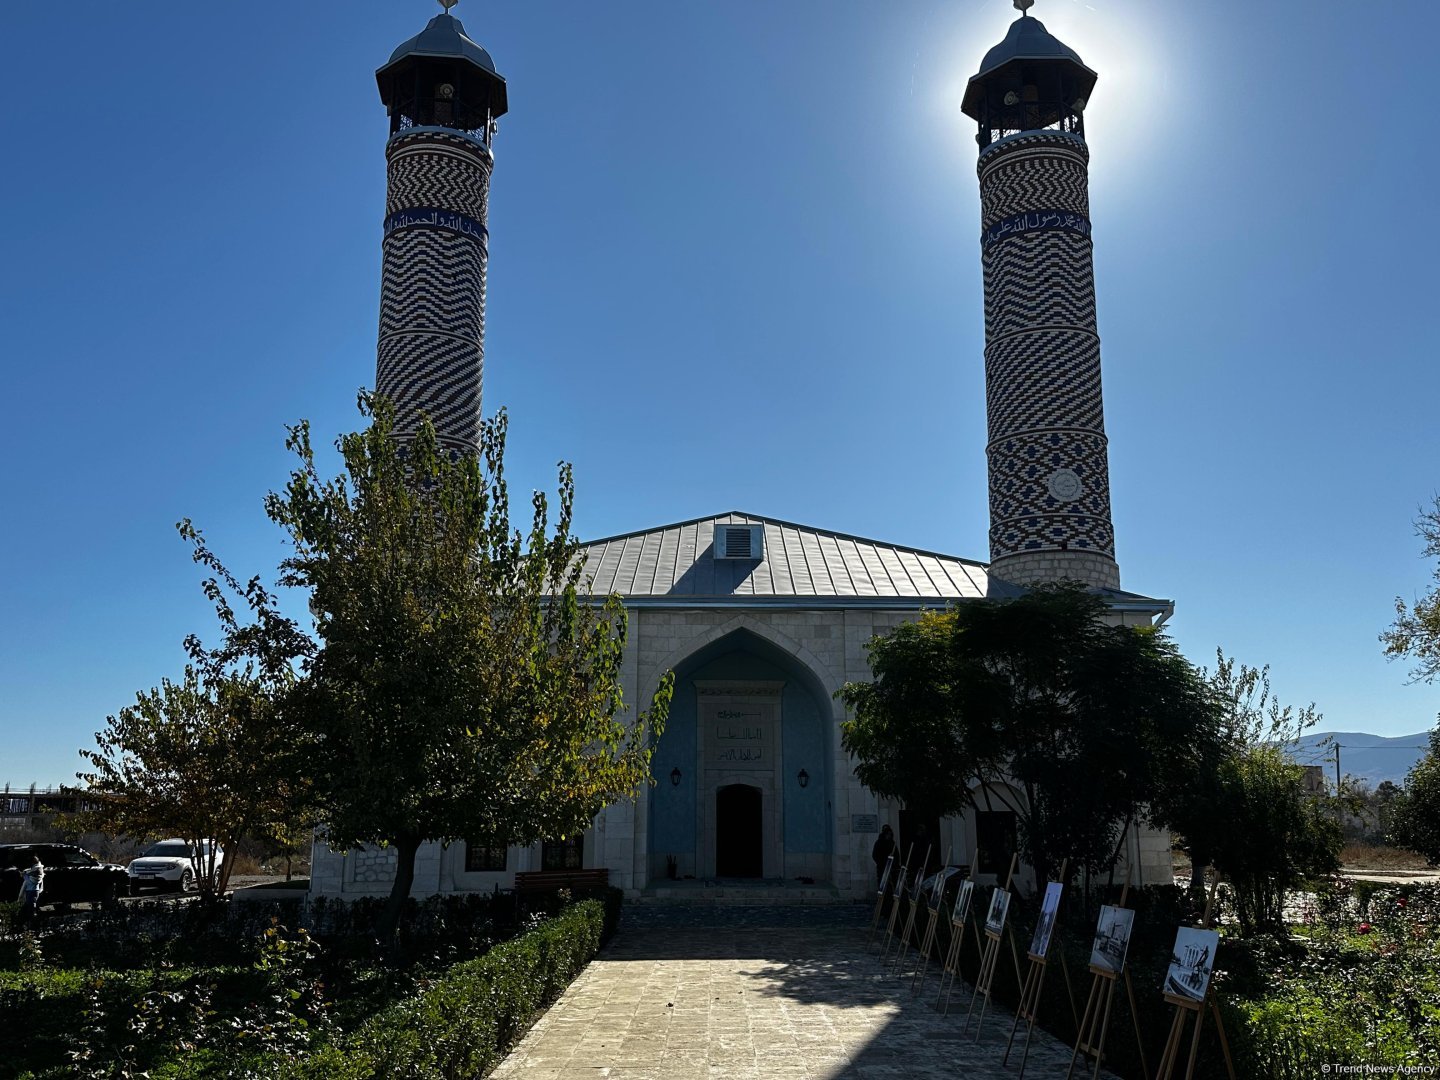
(440, 78)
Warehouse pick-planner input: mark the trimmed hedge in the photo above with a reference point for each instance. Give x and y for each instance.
(467, 1020)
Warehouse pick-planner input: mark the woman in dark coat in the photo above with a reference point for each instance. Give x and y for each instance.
(883, 849)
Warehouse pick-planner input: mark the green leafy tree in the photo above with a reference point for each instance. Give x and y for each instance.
(1246, 810)
(1416, 630)
(464, 685)
(1043, 696)
(1415, 812)
(200, 759)
(907, 735)
(1275, 834)
(1250, 716)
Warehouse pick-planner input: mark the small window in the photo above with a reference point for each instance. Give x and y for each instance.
(563, 854)
(485, 858)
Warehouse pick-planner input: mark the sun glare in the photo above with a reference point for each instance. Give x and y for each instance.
(1123, 42)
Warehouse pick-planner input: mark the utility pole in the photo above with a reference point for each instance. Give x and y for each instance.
(1339, 807)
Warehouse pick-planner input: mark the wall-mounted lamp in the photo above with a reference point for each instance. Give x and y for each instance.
(803, 779)
(675, 776)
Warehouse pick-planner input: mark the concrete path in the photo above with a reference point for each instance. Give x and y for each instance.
(747, 1002)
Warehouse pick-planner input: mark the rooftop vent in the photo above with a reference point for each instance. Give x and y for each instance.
(739, 541)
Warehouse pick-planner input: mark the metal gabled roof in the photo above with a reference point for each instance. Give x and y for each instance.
(677, 561)
(675, 565)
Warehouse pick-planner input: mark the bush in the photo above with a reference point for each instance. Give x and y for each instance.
(464, 1022)
(549, 905)
(1277, 835)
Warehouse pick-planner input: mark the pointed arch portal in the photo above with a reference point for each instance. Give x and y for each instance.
(747, 719)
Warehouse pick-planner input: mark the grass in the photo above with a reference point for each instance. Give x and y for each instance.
(1357, 856)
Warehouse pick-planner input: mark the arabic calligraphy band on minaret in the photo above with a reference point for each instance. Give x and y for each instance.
(1048, 461)
(444, 97)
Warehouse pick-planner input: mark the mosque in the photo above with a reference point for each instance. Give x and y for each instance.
(762, 620)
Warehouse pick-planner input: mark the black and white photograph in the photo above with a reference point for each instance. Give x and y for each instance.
(962, 901)
(935, 886)
(999, 908)
(1112, 938)
(1040, 943)
(885, 874)
(1191, 962)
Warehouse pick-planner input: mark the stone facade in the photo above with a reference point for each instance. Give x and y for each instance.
(822, 647)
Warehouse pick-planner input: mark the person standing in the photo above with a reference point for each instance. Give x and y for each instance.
(883, 849)
(32, 886)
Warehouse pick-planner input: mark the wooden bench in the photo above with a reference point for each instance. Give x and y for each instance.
(527, 881)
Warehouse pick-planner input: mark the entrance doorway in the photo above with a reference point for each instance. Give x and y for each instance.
(739, 844)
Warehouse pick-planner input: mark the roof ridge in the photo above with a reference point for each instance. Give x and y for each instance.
(766, 519)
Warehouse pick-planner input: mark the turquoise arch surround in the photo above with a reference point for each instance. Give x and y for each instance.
(805, 743)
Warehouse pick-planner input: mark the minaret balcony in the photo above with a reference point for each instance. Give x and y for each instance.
(1030, 116)
(405, 124)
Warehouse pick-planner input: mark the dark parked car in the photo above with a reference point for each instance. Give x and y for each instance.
(72, 874)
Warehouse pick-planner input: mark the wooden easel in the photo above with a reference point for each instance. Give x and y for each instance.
(933, 903)
(916, 899)
(1029, 1005)
(1093, 1028)
(1184, 1007)
(951, 969)
(896, 897)
(985, 980)
(880, 892)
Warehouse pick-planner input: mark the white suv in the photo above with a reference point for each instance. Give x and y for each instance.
(173, 864)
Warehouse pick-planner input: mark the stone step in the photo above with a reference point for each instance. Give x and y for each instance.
(759, 894)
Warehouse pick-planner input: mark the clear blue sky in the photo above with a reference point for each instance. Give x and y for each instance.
(734, 264)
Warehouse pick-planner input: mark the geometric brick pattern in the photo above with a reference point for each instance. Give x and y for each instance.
(430, 355)
(1025, 515)
(1047, 452)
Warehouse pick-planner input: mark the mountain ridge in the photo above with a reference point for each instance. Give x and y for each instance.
(1372, 758)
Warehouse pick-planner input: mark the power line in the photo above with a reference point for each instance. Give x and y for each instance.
(1383, 746)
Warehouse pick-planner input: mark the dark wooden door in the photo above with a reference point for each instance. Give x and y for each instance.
(739, 832)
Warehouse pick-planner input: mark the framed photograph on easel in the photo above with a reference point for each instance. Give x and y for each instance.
(1189, 987)
(1108, 951)
(1040, 942)
(999, 908)
(1192, 962)
(1112, 939)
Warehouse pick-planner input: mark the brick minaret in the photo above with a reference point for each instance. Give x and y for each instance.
(1049, 470)
(443, 96)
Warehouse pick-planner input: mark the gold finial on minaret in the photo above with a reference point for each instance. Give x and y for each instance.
(1022, 6)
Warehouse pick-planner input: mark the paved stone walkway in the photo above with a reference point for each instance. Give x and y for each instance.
(748, 1002)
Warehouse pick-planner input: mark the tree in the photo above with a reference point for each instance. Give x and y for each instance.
(1416, 630)
(1042, 695)
(1246, 810)
(1251, 716)
(1274, 834)
(1415, 812)
(464, 686)
(202, 759)
(907, 735)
